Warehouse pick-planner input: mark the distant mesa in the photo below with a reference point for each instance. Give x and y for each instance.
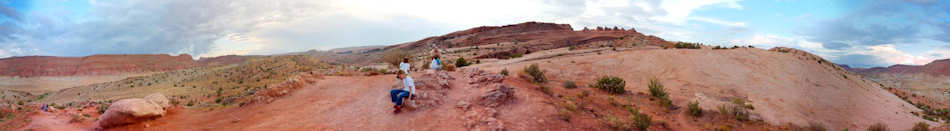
(29, 66)
(937, 67)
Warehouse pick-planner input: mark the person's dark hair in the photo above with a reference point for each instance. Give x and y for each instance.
(405, 60)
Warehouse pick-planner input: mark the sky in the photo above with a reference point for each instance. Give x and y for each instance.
(856, 33)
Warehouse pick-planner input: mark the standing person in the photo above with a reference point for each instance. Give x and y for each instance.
(407, 91)
(404, 65)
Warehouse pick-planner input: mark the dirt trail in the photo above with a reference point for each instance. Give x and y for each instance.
(354, 103)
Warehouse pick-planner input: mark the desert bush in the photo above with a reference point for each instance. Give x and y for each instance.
(102, 108)
(617, 123)
(504, 72)
(449, 67)
(219, 92)
(613, 85)
(657, 91)
(461, 62)
(19, 103)
(656, 88)
(395, 56)
(687, 45)
(535, 72)
(921, 126)
(723, 110)
(740, 102)
(546, 90)
(613, 101)
(190, 103)
(516, 55)
(815, 127)
(640, 121)
(566, 110)
(76, 118)
(877, 127)
(694, 109)
(569, 85)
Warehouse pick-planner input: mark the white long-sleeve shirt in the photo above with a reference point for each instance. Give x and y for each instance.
(404, 67)
(408, 85)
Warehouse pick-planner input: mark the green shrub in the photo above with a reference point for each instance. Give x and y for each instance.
(569, 85)
(515, 55)
(687, 45)
(656, 88)
(694, 109)
(921, 126)
(461, 62)
(613, 85)
(504, 72)
(640, 121)
(535, 72)
(878, 127)
(740, 102)
(723, 110)
(102, 108)
(617, 123)
(219, 91)
(19, 103)
(815, 127)
(546, 90)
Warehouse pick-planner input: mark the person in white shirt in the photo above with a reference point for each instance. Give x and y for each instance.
(397, 95)
(404, 65)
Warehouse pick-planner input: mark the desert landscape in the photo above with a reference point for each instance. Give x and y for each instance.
(526, 76)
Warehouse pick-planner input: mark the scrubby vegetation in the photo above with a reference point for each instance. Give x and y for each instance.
(533, 71)
(657, 91)
(504, 72)
(921, 126)
(393, 57)
(569, 85)
(546, 90)
(611, 84)
(738, 110)
(878, 127)
(816, 127)
(694, 109)
(687, 45)
(640, 121)
(461, 62)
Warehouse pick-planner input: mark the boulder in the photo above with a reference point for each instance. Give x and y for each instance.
(503, 94)
(129, 111)
(158, 99)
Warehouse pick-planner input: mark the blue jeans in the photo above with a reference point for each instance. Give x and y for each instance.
(397, 95)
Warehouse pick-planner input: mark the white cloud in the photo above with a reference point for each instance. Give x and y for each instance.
(221, 27)
(889, 53)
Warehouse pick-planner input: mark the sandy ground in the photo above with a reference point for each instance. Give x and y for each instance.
(784, 88)
(354, 103)
(41, 84)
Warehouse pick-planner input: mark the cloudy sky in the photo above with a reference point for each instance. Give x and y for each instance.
(857, 33)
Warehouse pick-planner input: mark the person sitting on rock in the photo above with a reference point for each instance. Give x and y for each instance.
(436, 64)
(404, 65)
(397, 95)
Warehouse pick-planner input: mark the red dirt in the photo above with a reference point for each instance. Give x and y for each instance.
(30, 66)
(352, 103)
